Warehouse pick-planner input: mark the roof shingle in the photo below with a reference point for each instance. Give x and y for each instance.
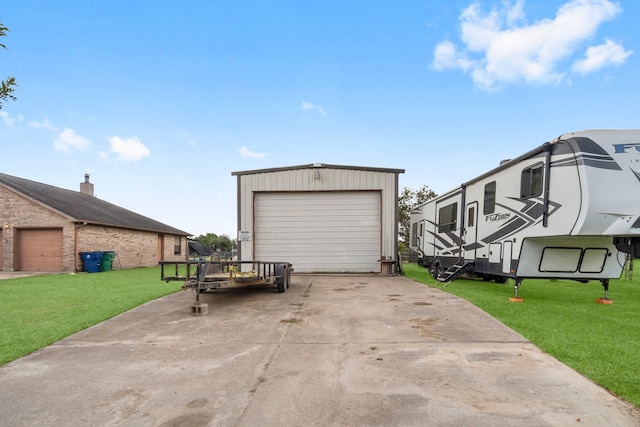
(85, 208)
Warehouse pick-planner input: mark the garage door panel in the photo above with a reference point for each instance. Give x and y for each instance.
(320, 231)
(40, 250)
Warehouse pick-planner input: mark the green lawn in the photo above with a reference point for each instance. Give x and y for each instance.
(37, 311)
(562, 318)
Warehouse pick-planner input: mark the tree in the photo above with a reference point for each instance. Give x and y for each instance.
(213, 241)
(408, 200)
(6, 86)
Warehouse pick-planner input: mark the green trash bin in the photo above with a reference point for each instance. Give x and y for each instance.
(107, 261)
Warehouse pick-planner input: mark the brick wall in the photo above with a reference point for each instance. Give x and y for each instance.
(169, 243)
(133, 248)
(18, 212)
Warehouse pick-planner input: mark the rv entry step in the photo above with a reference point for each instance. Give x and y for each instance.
(455, 271)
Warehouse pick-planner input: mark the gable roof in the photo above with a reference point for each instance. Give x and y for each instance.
(317, 166)
(82, 207)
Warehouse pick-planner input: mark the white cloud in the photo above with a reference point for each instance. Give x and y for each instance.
(499, 47)
(68, 140)
(307, 106)
(44, 124)
(597, 57)
(129, 149)
(4, 116)
(245, 152)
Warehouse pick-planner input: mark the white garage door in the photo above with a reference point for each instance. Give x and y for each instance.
(320, 231)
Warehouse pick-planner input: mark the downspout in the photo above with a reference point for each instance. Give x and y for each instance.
(396, 196)
(546, 147)
(239, 217)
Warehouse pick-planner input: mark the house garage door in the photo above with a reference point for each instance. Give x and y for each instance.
(320, 231)
(40, 250)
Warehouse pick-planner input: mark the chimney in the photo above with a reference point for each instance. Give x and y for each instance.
(86, 187)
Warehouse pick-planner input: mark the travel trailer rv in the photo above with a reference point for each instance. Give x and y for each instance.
(569, 209)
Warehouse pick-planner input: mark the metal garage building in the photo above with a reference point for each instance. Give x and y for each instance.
(321, 218)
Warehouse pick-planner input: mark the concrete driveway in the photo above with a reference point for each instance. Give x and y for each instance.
(331, 351)
(20, 274)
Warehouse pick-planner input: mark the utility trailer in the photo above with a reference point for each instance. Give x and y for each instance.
(568, 209)
(202, 276)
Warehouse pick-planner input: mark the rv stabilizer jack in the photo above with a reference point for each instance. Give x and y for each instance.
(515, 297)
(605, 300)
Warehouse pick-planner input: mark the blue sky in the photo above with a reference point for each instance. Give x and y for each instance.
(160, 101)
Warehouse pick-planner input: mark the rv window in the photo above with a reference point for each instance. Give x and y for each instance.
(489, 198)
(421, 230)
(531, 181)
(472, 216)
(447, 216)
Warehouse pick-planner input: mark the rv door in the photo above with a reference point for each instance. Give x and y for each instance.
(507, 253)
(471, 232)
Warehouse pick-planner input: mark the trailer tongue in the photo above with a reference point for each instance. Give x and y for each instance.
(202, 276)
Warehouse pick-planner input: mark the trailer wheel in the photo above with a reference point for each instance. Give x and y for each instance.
(280, 271)
(500, 279)
(435, 268)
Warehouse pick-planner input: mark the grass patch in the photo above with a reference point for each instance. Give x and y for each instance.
(562, 318)
(37, 311)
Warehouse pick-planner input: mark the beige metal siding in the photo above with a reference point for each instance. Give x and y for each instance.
(40, 250)
(314, 179)
(320, 231)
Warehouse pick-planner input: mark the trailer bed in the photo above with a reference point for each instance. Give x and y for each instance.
(205, 275)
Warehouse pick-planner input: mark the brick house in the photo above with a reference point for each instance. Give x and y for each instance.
(44, 228)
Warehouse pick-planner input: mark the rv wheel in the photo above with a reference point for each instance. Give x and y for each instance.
(500, 279)
(435, 269)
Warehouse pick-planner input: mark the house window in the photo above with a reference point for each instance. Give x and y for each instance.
(489, 198)
(447, 218)
(177, 245)
(531, 181)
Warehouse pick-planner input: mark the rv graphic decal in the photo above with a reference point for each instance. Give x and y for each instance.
(623, 148)
(586, 159)
(528, 215)
(497, 217)
(583, 151)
